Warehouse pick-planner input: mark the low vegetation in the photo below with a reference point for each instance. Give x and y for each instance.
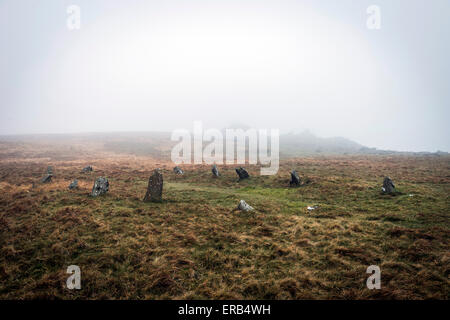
(196, 245)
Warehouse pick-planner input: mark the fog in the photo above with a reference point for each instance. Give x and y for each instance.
(290, 65)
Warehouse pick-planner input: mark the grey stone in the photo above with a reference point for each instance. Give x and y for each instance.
(101, 186)
(388, 186)
(47, 178)
(178, 170)
(242, 173)
(295, 179)
(73, 184)
(155, 187)
(244, 206)
(87, 169)
(49, 170)
(215, 171)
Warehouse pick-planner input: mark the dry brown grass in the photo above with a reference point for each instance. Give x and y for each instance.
(194, 245)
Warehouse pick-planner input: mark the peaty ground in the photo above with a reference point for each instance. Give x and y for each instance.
(195, 245)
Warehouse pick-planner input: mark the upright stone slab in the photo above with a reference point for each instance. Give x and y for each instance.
(388, 186)
(178, 170)
(295, 179)
(101, 186)
(215, 171)
(50, 170)
(242, 173)
(155, 187)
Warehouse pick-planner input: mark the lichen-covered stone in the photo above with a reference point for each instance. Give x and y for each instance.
(101, 186)
(178, 170)
(295, 179)
(244, 206)
(73, 184)
(388, 186)
(215, 171)
(87, 169)
(242, 173)
(155, 187)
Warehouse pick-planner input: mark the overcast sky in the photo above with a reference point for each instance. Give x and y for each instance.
(291, 65)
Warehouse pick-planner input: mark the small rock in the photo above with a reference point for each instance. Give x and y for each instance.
(244, 206)
(242, 173)
(295, 179)
(87, 169)
(312, 208)
(215, 171)
(47, 178)
(178, 170)
(73, 184)
(101, 186)
(155, 187)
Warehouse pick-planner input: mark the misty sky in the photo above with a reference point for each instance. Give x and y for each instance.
(292, 65)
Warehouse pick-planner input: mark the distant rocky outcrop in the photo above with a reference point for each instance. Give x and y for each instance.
(295, 144)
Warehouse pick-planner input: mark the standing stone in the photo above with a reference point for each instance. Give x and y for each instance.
(178, 170)
(87, 169)
(47, 178)
(50, 170)
(295, 179)
(101, 186)
(73, 184)
(244, 206)
(388, 186)
(242, 173)
(215, 171)
(155, 187)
